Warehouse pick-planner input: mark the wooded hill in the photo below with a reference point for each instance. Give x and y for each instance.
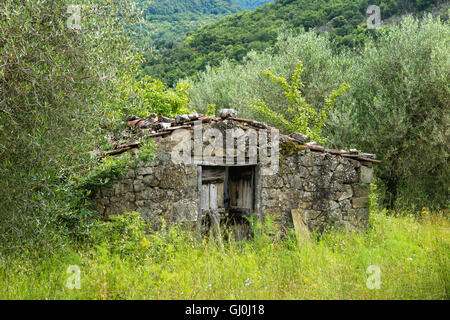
(234, 36)
(171, 20)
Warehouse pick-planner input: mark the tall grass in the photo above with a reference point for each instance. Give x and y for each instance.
(412, 254)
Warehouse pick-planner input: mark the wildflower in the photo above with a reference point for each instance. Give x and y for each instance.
(144, 242)
(248, 282)
(208, 287)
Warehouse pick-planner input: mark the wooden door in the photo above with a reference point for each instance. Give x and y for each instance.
(212, 193)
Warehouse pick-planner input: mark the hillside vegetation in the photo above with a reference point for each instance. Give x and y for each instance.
(171, 20)
(236, 35)
(252, 4)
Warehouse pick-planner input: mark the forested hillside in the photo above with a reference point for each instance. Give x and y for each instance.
(234, 36)
(171, 20)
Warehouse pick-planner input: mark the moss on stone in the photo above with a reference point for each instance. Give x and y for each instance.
(290, 148)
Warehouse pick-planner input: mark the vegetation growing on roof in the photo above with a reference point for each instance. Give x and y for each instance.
(299, 116)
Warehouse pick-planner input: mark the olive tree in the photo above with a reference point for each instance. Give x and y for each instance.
(398, 107)
(58, 62)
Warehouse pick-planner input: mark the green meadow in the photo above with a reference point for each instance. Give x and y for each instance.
(410, 258)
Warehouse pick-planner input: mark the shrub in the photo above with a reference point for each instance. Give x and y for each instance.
(55, 83)
(124, 234)
(299, 116)
(147, 95)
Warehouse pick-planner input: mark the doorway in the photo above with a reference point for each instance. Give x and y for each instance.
(227, 196)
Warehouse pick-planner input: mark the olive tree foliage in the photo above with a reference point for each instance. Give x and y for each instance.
(233, 86)
(58, 62)
(398, 108)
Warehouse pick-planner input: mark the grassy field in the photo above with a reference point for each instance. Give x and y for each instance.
(412, 255)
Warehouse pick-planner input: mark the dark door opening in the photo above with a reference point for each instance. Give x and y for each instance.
(241, 190)
(227, 196)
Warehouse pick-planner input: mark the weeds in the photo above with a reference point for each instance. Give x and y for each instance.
(126, 262)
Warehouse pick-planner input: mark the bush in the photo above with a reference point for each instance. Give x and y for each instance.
(55, 83)
(124, 234)
(299, 116)
(145, 96)
(129, 235)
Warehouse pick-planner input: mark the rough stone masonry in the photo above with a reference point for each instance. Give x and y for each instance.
(329, 187)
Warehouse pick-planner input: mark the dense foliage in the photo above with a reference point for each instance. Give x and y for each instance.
(60, 78)
(234, 36)
(140, 97)
(397, 105)
(299, 116)
(171, 20)
(399, 108)
(232, 85)
(252, 4)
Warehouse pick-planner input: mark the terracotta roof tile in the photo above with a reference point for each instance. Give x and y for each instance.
(157, 126)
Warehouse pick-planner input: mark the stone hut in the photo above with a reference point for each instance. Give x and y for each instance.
(223, 168)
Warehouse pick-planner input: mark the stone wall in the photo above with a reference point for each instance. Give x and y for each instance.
(332, 191)
(155, 189)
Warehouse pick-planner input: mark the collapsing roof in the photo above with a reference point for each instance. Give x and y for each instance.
(154, 126)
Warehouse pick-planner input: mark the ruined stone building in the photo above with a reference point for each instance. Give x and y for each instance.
(232, 167)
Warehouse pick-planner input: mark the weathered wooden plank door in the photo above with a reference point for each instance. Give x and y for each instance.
(212, 196)
(212, 193)
(229, 190)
